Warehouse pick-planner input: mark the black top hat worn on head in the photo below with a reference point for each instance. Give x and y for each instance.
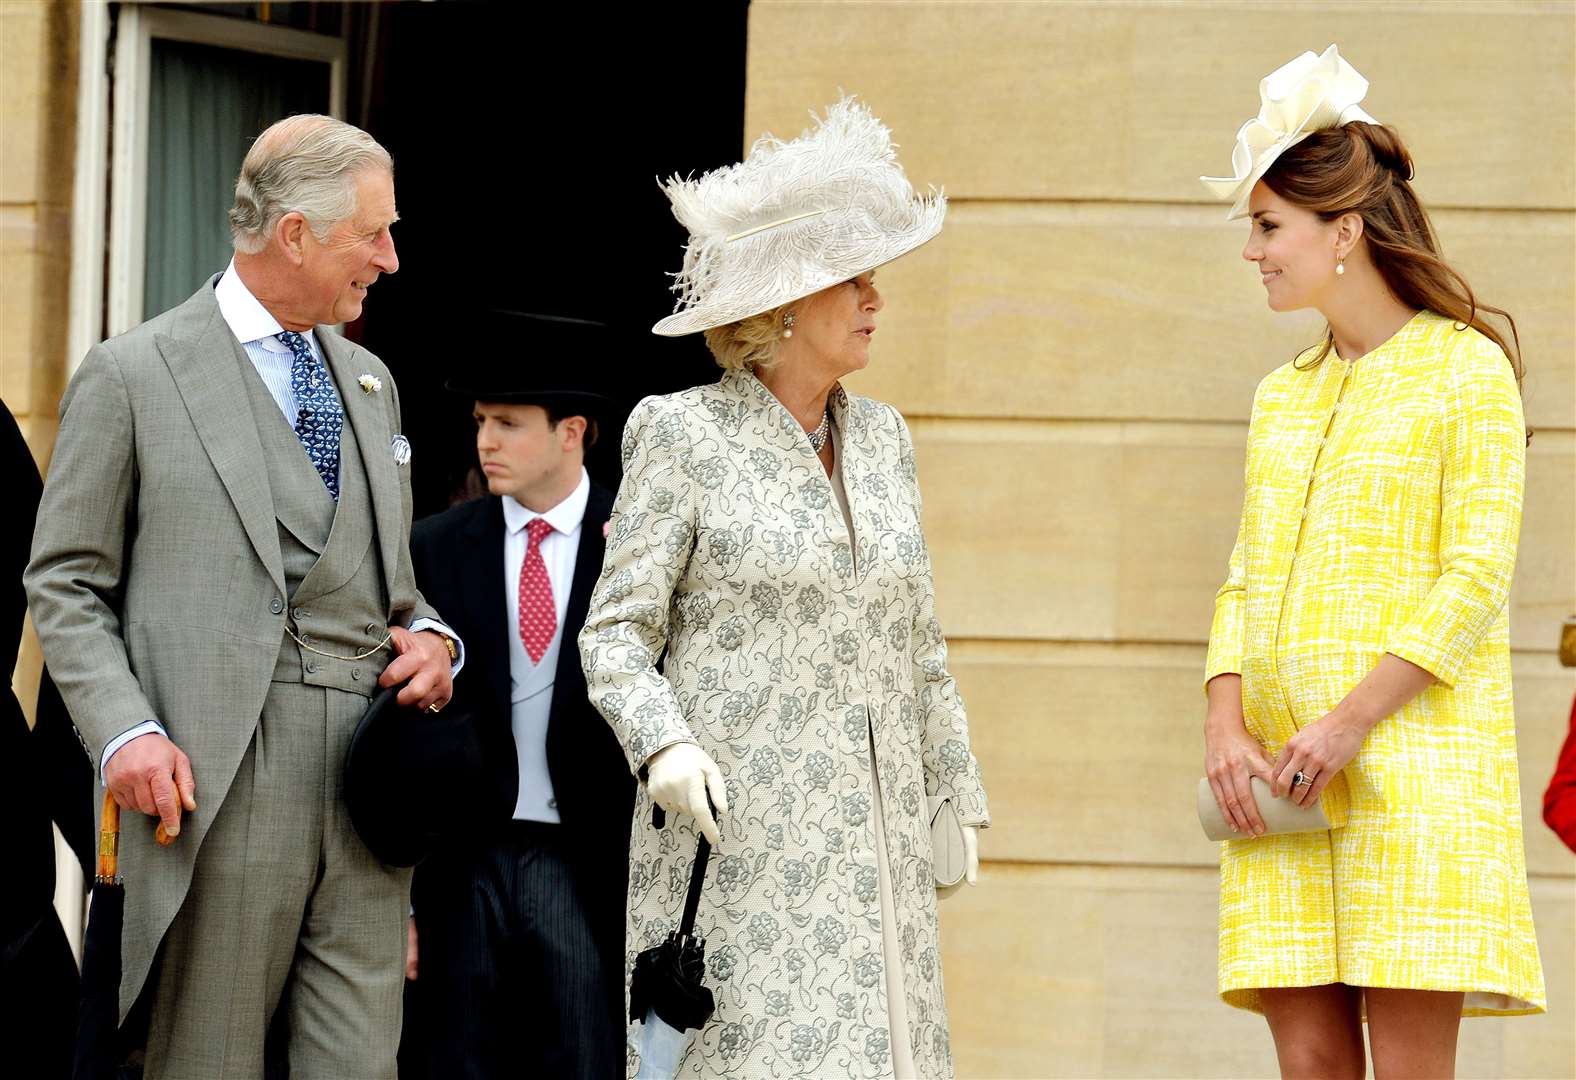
(409, 771)
(520, 358)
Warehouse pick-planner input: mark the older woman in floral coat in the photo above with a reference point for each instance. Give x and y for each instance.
(767, 539)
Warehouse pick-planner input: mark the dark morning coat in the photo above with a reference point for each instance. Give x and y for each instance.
(458, 556)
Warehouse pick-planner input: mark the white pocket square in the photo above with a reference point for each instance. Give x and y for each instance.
(401, 448)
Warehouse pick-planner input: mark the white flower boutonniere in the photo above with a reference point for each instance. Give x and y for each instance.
(370, 384)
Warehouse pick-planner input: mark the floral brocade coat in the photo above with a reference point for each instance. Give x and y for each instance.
(792, 651)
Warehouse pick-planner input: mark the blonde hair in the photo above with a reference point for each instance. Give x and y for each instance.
(305, 163)
(748, 343)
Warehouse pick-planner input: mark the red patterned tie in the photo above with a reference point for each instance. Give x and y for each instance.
(538, 610)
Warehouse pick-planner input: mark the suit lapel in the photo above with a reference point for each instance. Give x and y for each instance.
(368, 414)
(482, 592)
(207, 373)
(588, 567)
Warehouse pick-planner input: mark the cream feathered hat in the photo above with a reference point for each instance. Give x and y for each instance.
(794, 218)
(1306, 95)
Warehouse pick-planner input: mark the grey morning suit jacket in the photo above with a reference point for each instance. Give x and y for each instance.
(157, 584)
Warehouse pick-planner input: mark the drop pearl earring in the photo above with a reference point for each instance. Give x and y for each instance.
(788, 321)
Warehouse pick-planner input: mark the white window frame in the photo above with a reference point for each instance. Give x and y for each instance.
(128, 169)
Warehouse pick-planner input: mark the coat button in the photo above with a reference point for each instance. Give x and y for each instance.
(276, 605)
(552, 804)
(355, 673)
(373, 628)
(311, 666)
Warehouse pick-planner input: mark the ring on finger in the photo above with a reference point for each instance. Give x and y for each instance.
(1302, 779)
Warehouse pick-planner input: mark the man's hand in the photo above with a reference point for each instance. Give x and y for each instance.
(424, 660)
(153, 775)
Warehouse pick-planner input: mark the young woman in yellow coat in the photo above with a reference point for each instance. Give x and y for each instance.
(1360, 647)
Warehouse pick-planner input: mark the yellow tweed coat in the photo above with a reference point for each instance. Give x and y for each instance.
(1382, 507)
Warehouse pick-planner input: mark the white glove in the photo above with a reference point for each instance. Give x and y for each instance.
(679, 776)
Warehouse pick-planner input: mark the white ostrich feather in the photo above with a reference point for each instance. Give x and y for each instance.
(793, 218)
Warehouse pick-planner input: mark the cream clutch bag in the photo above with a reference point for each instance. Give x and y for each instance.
(948, 854)
(1280, 815)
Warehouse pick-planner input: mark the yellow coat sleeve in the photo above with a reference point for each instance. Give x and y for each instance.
(1228, 630)
(1484, 447)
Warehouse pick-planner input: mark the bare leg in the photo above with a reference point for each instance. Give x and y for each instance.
(1413, 1033)
(1318, 1031)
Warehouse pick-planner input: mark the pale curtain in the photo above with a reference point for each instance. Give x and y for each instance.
(205, 106)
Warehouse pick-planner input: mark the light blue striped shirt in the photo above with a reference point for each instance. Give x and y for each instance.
(258, 331)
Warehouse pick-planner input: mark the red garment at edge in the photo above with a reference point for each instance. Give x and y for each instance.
(1559, 802)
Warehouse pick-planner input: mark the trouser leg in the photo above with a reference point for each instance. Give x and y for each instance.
(565, 967)
(513, 982)
(462, 938)
(347, 979)
(227, 955)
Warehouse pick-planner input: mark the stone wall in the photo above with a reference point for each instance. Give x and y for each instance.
(1077, 355)
(38, 93)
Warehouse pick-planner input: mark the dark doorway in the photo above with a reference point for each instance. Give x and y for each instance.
(526, 149)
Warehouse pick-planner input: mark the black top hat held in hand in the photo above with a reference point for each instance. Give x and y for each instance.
(408, 772)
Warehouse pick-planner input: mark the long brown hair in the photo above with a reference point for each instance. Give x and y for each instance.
(1364, 169)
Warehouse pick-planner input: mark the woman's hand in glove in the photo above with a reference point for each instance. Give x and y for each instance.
(679, 777)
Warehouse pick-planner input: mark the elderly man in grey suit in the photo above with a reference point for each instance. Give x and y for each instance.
(220, 579)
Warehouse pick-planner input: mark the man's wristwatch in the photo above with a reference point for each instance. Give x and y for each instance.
(448, 643)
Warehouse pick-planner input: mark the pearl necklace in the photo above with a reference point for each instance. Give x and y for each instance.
(819, 436)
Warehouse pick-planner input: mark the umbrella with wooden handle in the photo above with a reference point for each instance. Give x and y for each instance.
(98, 1012)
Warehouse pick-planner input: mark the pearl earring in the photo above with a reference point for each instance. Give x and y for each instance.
(1340, 267)
(788, 318)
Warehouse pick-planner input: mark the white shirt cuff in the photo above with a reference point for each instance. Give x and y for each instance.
(459, 646)
(147, 727)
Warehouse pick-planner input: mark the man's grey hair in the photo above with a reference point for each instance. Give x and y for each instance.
(306, 164)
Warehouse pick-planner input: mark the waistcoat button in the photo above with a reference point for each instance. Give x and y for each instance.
(276, 605)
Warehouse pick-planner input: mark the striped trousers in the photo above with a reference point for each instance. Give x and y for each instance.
(510, 982)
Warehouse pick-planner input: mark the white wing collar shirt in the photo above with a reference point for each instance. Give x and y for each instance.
(258, 331)
(531, 683)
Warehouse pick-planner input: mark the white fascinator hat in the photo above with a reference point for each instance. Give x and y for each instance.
(794, 218)
(1306, 95)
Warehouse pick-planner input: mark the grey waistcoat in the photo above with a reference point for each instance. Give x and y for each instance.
(333, 573)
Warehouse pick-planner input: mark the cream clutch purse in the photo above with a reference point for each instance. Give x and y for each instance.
(948, 854)
(1280, 815)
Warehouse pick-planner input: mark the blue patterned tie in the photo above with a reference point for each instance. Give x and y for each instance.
(320, 415)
